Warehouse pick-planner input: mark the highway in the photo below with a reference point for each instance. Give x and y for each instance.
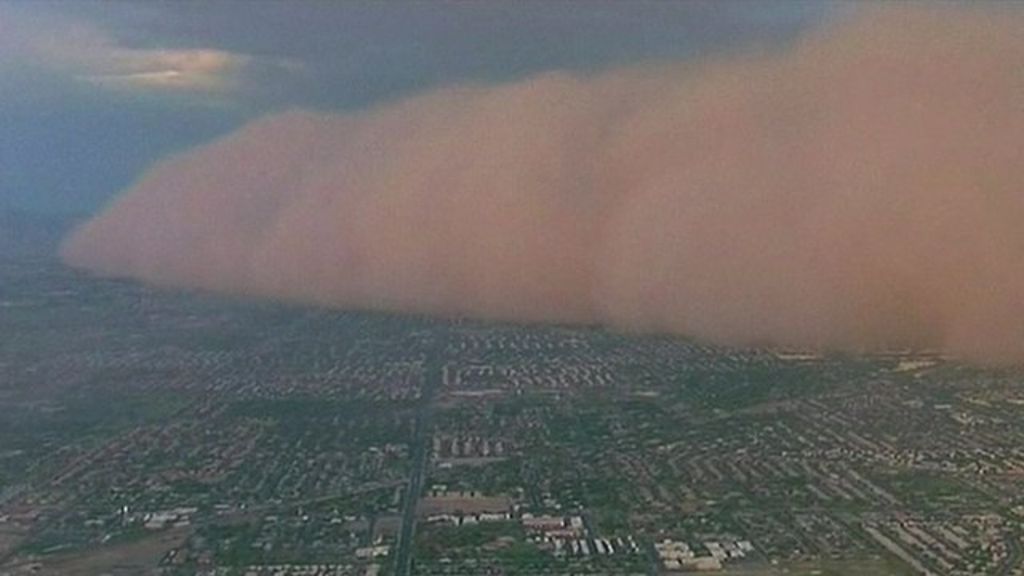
(432, 377)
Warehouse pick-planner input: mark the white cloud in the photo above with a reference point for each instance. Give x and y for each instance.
(83, 51)
(206, 70)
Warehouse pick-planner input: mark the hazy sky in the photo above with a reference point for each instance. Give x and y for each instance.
(92, 93)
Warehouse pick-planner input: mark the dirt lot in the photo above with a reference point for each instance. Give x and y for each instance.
(464, 503)
(136, 558)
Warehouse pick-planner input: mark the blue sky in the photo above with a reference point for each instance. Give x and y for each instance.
(92, 93)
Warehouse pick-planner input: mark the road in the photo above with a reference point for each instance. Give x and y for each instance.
(432, 378)
(1014, 555)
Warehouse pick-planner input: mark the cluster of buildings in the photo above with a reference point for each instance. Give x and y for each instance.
(711, 555)
(271, 435)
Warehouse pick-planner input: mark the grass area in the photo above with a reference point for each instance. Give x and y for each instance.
(502, 548)
(852, 567)
(110, 411)
(933, 491)
(439, 541)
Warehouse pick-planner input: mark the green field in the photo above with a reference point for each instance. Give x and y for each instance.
(853, 567)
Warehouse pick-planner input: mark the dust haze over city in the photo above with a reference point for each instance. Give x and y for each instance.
(511, 288)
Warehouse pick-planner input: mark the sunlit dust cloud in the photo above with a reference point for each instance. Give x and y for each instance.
(861, 189)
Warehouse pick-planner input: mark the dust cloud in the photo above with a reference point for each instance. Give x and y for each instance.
(861, 188)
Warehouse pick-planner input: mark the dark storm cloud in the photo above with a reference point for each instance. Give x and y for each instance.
(351, 53)
(93, 92)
